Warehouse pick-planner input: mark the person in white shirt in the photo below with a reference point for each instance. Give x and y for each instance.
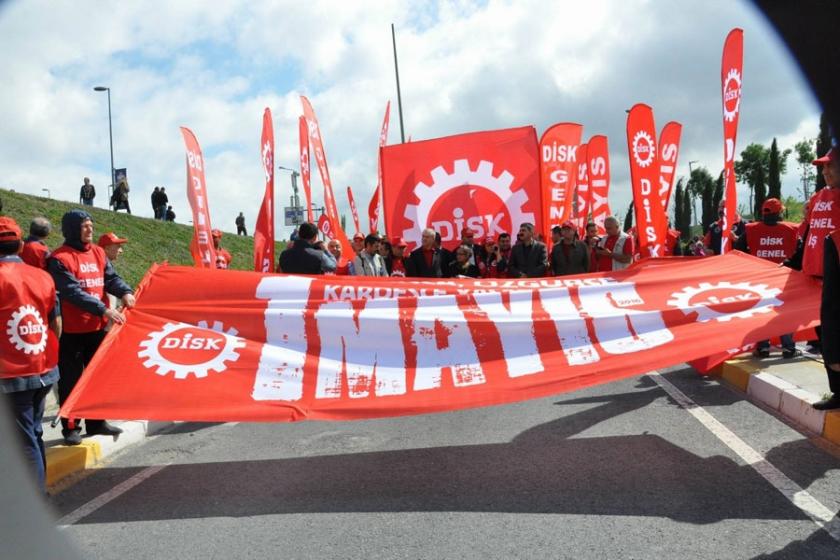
(369, 262)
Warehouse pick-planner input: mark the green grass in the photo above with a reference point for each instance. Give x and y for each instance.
(149, 241)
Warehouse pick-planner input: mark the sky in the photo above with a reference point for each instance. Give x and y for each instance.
(464, 66)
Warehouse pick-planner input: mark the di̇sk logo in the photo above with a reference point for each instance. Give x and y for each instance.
(472, 198)
(186, 350)
(725, 301)
(324, 226)
(26, 330)
(643, 149)
(731, 94)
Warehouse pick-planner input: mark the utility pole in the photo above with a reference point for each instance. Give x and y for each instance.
(399, 95)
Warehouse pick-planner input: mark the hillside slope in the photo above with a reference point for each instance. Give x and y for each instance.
(149, 241)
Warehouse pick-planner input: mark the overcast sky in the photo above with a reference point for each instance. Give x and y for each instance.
(464, 66)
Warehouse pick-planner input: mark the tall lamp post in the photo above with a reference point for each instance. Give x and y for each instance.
(694, 200)
(110, 133)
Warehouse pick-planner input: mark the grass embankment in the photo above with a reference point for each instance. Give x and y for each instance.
(149, 241)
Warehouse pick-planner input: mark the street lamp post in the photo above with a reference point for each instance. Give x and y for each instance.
(47, 191)
(694, 199)
(110, 133)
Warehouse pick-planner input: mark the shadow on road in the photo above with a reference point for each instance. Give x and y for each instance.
(543, 470)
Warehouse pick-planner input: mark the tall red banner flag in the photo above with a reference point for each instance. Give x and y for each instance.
(208, 345)
(486, 181)
(264, 228)
(305, 170)
(203, 251)
(558, 173)
(651, 222)
(584, 196)
(730, 78)
(321, 159)
(598, 156)
(353, 210)
(373, 207)
(669, 149)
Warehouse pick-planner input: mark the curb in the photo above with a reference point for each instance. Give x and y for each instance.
(790, 400)
(64, 461)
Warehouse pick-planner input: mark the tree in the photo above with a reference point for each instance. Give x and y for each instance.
(804, 156)
(774, 178)
(749, 169)
(628, 218)
(682, 220)
(823, 145)
(702, 186)
(760, 192)
(718, 195)
(794, 209)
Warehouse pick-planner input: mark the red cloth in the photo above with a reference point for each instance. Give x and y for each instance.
(398, 267)
(27, 345)
(774, 243)
(89, 268)
(671, 241)
(35, 254)
(605, 264)
(823, 218)
(429, 255)
(342, 267)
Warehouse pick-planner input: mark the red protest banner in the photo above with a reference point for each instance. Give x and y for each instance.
(285, 348)
(669, 149)
(651, 223)
(598, 157)
(264, 228)
(731, 70)
(486, 181)
(202, 248)
(558, 173)
(373, 207)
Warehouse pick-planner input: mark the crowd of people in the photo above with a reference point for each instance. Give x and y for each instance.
(56, 308)
(161, 208)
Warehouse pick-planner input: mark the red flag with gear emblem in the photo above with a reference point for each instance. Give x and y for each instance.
(558, 173)
(485, 181)
(264, 227)
(201, 246)
(730, 77)
(651, 223)
(305, 170)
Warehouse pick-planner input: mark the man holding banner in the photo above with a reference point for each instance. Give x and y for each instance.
(614, 251)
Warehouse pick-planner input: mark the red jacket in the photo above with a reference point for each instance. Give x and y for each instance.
(88, 267)
(27, 345)
(35, 254)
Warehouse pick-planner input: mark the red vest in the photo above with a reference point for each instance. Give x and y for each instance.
(35, 254)
(823, 217)
(27, 345)
(89, 269)
(342, 267)
(223, 258)
(773, 243)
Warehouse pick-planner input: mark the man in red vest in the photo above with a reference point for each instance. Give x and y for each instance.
(35, 250)
(223, 256)
(343, 267)
(29, 315)
(830, 320)
(823, 217)
(773, 240)
(83, 277)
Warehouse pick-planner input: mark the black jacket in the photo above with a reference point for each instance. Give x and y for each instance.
(830, 308)
(415, 265)
(533, 266)
(301, 258)
(577, 263)
(471, 270)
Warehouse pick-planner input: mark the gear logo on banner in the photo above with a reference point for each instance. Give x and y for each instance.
(732, 95)
(184, 349)
(26, 330)
(725, 301)
(643, 149)
(472, 198)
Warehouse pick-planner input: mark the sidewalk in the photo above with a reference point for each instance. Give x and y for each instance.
(788, 387)
(64, 461)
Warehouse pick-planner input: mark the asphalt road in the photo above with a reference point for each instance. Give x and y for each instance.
(617, 471)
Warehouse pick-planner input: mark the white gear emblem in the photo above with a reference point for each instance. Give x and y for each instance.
(443, 182)
(218, 364)
(765, 302)
(732, 76)
(13, 330)
(642, 135)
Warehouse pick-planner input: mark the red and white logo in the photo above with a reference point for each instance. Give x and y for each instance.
(731, 95)
(473, 198)
(324, 226)
(26, 330)
(185, 349)
(643, 149)
(725, 301)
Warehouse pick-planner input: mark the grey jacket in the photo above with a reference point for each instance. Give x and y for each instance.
(577, 263)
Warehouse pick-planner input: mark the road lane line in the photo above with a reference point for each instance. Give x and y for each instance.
(108, 496)
(799, 497)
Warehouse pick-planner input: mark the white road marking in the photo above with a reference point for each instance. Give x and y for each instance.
(798, 496)
(122, 487)
(108, 496)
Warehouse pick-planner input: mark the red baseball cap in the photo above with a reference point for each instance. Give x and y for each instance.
(9, 230)
(467, 232)
(568, 224)
(358, 235)
(488, 240)
(827, 158)
(772, 206)
(216, 233)
(110, 238)
(398, 242)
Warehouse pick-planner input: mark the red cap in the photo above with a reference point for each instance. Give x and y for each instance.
(772, 206)
(359, 236)
(568, 224)
(488, 240)
(398, 242)
(110, 238)
(216, 233)
(827, 158)
(9, 230)
(467, 232)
